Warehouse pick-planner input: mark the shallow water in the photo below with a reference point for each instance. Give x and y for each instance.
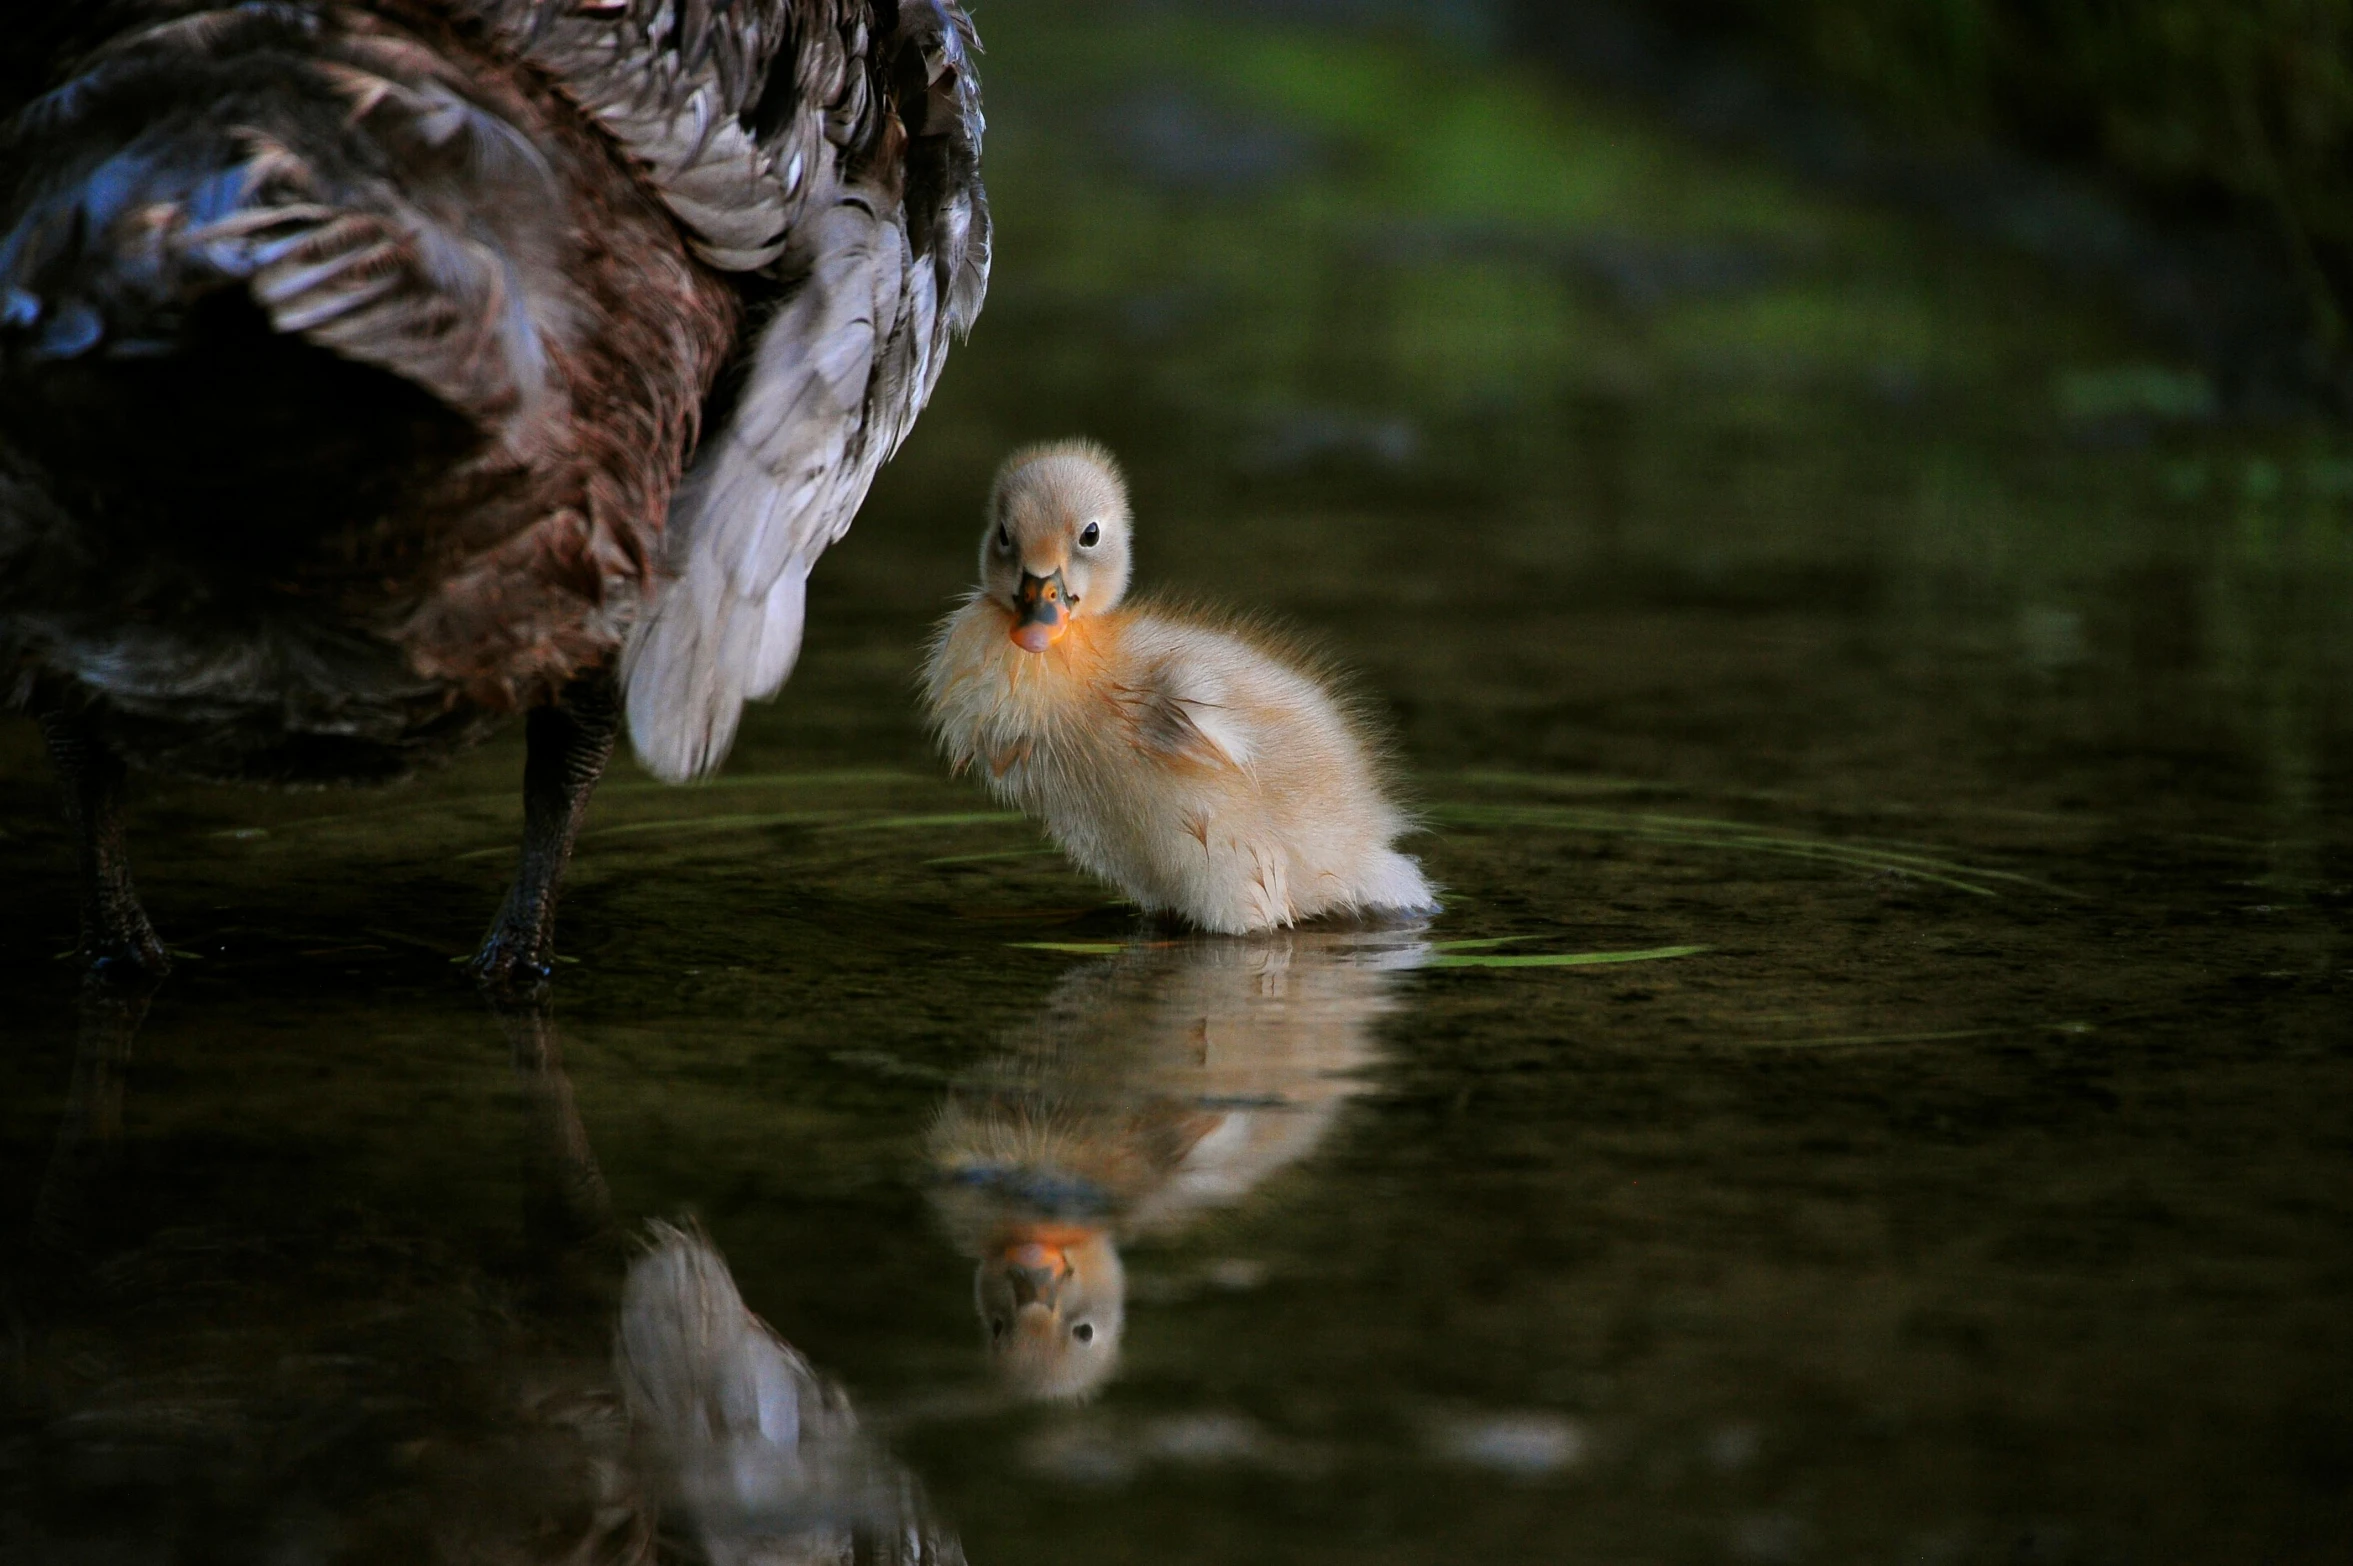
(1864, 637)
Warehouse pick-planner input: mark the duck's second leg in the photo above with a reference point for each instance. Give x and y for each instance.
(116, 938)
(567, 745)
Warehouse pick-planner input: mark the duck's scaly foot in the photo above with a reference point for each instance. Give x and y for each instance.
(512, 963)
(117, 944)
(134, 961)
(569, 743)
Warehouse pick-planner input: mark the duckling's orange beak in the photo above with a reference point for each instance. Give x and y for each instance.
(1036, 1261)
(1041, 611)
(1036, 1274)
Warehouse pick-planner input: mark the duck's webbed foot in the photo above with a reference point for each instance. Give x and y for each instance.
(569, 742)
(117, 942)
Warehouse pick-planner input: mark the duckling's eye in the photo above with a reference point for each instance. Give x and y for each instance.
(1089, 536)
(1004, 536)
(1084, 1332)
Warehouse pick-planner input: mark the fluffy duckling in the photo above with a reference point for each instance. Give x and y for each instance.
(1204, 770)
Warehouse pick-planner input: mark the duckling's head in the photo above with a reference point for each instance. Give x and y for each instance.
(1054, 1302)
(1057, 539)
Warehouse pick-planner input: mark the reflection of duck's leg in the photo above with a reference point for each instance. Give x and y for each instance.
(568, 1203)
(116, 938)
(113, 1005)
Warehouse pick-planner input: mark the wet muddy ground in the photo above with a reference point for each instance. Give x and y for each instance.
(1945, 722)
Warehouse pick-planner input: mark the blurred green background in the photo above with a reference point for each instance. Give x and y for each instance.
(2240, 107)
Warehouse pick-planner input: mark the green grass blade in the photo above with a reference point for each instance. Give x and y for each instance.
(1566, 959)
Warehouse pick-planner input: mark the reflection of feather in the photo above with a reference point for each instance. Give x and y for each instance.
(700, 1370)
(761, 1458)
(228, 1389)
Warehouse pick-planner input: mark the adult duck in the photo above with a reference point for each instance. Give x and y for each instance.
(353, 353)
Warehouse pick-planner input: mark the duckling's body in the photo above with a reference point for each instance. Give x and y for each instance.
(1204, 768)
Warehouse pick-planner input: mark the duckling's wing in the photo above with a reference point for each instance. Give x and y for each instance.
(1183, 710)
(887, 257)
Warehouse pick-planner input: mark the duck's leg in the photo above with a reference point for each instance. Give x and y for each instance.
(116, 939)
(568, 743)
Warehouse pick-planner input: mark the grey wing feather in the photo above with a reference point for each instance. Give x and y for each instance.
(879, 280)
(669, 83)
(685, 89)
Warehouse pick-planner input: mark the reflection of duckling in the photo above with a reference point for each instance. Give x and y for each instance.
(1173, 1079)
(1206, 771)
(1054, 1296)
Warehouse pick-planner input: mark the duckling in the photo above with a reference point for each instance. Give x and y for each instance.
(1200, 766)
(1172, 1081)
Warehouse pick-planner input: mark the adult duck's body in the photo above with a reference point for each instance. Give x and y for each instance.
(352, 352)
